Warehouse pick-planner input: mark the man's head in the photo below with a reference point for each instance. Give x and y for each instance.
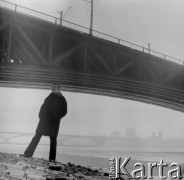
(56, 87)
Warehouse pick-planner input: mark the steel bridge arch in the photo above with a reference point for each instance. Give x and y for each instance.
(34, 53)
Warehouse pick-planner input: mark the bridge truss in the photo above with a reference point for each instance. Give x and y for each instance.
(35, 53)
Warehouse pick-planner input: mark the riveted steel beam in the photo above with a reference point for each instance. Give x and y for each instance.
(31, 44)
(101, 60)
(62, 57)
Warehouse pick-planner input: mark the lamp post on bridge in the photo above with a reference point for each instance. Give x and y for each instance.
(62, 16)
(91, 19)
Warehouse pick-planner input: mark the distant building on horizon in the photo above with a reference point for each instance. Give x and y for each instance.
(153, 134)
(160, 134)
(115, 134)
(130, 133)
(158, 137)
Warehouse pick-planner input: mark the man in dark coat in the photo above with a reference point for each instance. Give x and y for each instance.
(51, 112)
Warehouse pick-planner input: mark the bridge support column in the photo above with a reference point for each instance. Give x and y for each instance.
(9, 43)
(51, 47)
(114, 62)
(85, 57)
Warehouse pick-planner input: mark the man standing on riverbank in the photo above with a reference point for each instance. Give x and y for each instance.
(51, 112)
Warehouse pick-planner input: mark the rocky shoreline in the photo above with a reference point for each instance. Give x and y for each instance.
(13, 167)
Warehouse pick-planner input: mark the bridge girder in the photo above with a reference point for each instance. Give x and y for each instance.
(34, 53)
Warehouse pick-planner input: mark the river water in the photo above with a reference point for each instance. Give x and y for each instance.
(143, 154)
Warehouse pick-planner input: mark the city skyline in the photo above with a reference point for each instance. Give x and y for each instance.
(126, 134)
(157, 142)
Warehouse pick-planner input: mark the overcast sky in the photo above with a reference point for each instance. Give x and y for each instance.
(158, 22)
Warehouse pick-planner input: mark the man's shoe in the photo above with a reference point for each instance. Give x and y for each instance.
(55, 166)
(24, 155)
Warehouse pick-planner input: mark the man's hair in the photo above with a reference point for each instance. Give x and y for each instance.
(57, 84)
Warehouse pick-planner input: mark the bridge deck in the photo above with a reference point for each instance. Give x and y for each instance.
(35, 53)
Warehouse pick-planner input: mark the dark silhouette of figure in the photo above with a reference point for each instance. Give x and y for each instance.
(51, 112)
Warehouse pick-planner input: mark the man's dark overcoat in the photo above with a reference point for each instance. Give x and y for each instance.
(51, 112)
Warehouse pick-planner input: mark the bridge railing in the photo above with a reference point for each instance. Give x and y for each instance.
(61, 22)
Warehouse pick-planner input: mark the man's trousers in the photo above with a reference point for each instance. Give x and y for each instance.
(34, 142)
